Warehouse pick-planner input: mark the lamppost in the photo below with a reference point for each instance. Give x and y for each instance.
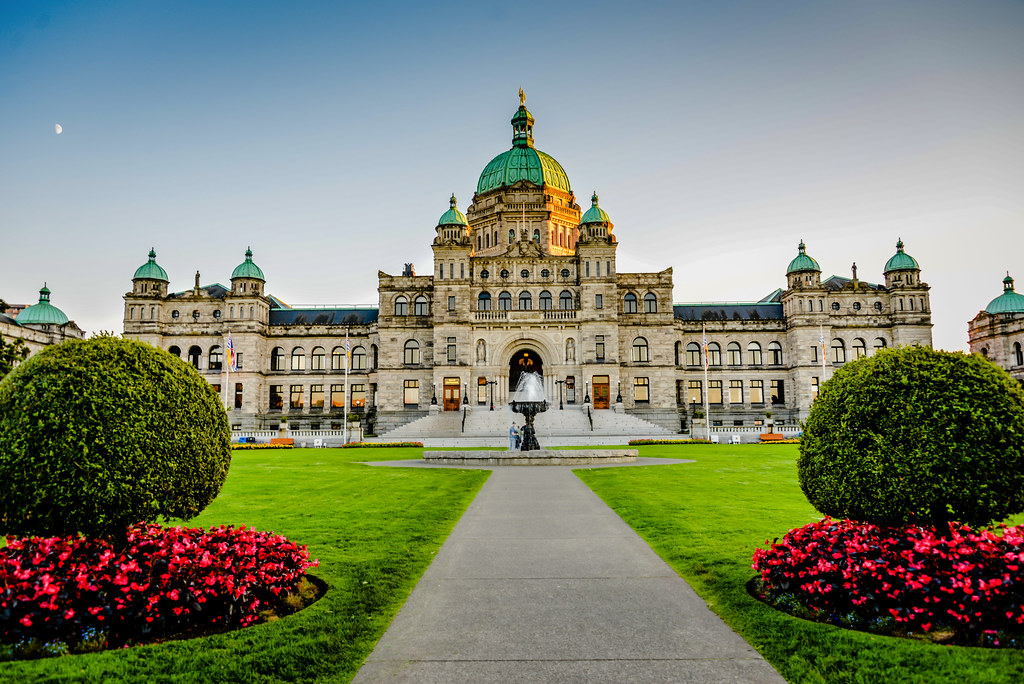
(618, 392)
(586, 386)
(492, 383)
(433, 392)
(465, 394)
(561, 406)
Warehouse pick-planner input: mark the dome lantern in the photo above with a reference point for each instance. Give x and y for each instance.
(247, 269)
(150, 270)
(452, 227)
(803, 271)
(43, 313)
(1007, 303)
(901, 261)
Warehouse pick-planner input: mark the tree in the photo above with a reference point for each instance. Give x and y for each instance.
(11, 353)
(916, 435)
(99, 434)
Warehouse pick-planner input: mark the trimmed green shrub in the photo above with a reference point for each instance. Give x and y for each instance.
(916, 435)
(98, 435)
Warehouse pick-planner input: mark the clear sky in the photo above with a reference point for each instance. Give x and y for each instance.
(328, 136)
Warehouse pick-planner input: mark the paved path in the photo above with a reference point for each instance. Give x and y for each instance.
(541, 582)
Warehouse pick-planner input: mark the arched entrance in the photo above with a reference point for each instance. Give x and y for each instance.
(523, 361)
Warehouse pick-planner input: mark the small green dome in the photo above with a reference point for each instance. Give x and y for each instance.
(42, 313)
(452, 217)
(523, 161)
(151, 270)
(247, 269)
(802, 262)
(1007, 303)
(595, 214)
(901, 261)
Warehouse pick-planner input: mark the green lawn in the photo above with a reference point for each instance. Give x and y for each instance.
(374, 529)
(706, 518)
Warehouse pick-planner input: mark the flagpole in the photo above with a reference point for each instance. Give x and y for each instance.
(348, 353)
(227, 380)
(707, 388)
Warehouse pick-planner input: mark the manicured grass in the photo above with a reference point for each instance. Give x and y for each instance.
(374, 529)
(706, 518)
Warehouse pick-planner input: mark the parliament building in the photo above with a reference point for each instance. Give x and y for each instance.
(526, 279)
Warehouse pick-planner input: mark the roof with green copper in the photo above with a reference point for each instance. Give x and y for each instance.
(247, 269)
(1007, 303)
(595, 214)
(151, 269)
(452, 217)
(42, 313)
(901, 261)
(802, 262)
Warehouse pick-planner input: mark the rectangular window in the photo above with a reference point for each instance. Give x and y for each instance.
(296, 396)
(599, 347)
(715, 391)
(570, 389)
(695, 392)
(608, 268)
(358, 396)
(316, 397)
(412, 393)
(238, 395)
(337, 396)
(451, 270)
(238, 360)
(481, 391)
(814, 354)
(814, 388)
(735, 391)
(298, 361)
(778, 388)
(597, 265)
(216, 388)
(641, 390)
(462, 270)
(598, 301)
(757, 391)
(737, 423)
(588, 269)
(276, 397)
(316, 362)
(451, 302)
(452, 355)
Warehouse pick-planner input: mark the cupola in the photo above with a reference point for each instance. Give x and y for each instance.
(901, 269)
(247, 278)
(595, 224)
(150, 278)
(1007, 303)
(42, 314)
(803, 271)
(452, 227)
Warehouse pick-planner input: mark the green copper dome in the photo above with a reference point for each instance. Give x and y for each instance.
(247, 269)
(151, 269)
(42, 313)
(1007, 303)
(901, 261)
(523, 161)
(595, 214)
(452, 217)
(802, 262)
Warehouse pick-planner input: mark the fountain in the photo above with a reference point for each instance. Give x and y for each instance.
(529, 401)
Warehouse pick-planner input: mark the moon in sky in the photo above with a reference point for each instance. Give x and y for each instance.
(58, 128)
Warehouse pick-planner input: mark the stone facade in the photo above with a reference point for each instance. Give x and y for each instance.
(997, 332)
(526, 281)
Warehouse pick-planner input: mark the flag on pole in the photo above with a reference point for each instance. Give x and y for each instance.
(232, 358)
(348, 351)
(704, 328)
(821, 343)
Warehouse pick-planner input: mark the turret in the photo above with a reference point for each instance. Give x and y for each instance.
(247, 278)
(803, 271)
(150, 278)
(902, 270)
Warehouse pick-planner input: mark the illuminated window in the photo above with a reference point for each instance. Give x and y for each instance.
(695, 392)
(757, 391)
(316, 397)
(298, 359)
(411, 395)
(316, 361)
(276, 397)
(641, 390)
(715, 391)
(735, 391)
(358, 396)
(295, 397)
(337, 396)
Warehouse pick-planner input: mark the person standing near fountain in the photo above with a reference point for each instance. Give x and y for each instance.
(513, 438)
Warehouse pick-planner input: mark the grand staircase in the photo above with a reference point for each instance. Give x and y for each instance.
(568, 427)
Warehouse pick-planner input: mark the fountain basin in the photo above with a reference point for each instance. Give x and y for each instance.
(542, 457)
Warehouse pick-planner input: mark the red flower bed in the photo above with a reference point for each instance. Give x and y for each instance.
(164, 582)
(919, 578)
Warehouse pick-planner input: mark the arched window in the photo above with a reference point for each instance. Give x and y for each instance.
(216, 358)
(565, 300)
(401, 306)
(338, 358)
(629, 303)
(504, 301)
(277, 359)
(693, 354)
(984, 352)
(420, 306)
(544, 302)
(879, 343)
(754, 351)
(358, 358)
(838, 351)
(714, 354)
(525, 301)
(316, 361)
(775, 353)
(860, 348)
(1018, 353)
(650, 303)
(174, 350)
(570, 350)
(735, 354)
(298, 359)
(483, 302)
(412, 353)
(640, 350)
(194, 353)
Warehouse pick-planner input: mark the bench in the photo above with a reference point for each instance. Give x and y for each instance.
(283, 440)
(772, 437)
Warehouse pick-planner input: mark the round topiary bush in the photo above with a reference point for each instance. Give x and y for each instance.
(98, 435)
(916, 435)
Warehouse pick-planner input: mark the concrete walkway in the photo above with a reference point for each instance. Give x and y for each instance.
(541, 582)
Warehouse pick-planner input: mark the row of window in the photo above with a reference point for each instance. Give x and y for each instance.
(1018, 354)
(734, 354)
(692, 392)
(565, 301)
(859, 348)
(175, 314)
(857, 305)
(215, 357)
(318, 399)
(318, 359)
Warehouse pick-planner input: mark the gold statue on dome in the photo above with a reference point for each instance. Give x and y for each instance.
(522, 98)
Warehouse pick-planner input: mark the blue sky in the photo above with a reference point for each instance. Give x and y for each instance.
(328, 136)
